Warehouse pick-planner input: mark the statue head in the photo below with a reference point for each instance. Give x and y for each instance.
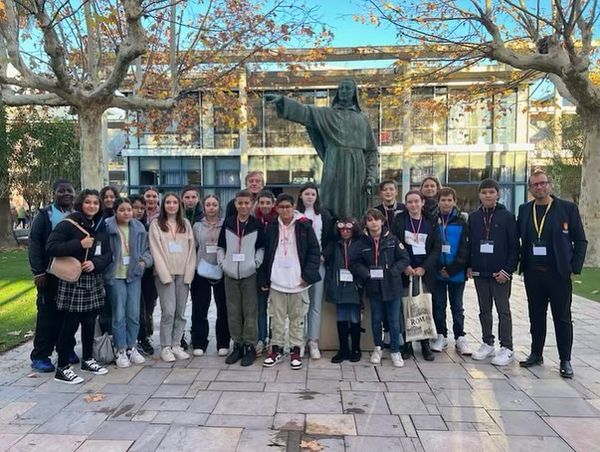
(347, 94)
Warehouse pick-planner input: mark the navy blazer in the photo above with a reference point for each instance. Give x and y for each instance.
(568, 237)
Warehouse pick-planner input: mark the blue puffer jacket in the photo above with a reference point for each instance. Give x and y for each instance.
(456, 233)
(139, 250)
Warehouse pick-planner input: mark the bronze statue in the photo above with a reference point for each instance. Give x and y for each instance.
(343, 139)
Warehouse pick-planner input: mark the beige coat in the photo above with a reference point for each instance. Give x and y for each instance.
(168, 264)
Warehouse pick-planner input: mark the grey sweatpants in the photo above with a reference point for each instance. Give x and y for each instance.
(489, 292)
(173, 298)
(242, 309)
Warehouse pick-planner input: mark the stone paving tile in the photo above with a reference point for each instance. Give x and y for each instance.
(181, 377)
(567, 407)
(262, 440)
(366, 402)
(329, 444)
(285, 387)
(207, 374)
(532, 443)
(330, 424)
(365, 373)
(212, 439)
(167, 404)
(521, 423)
(505, 400)
(324, 386)
(363, 443)
(16, 429)
(246, 403)
(72, 423)
(434, 441)
(368, 386)
(450, 370)
(146, 415)
(129, 407)
(236, 420)
(149, 440)
(289, 421)
(205, 402)
(407, 386)
(582, 434)
(48, 443)
(461, 426)
(46, 406)
(119, 388)
(404, 374)
(172, 390)
(378, 425)
(458, 397)
(94, 445)
(237, 386)
(405, 403)
(150, 376)
(107, 405)
(483, 371)
(549, 388)
(309, 403)
(464, 414)
(325, 374)
(14, 410)
(7, 440)
(428, 422)
(493, 384)
(290, 376)
(179, 417)
(239, 375)
(119, 430)
(441, 383)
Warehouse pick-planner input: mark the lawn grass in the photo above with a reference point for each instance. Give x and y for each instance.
(588, 283)
(17, 299)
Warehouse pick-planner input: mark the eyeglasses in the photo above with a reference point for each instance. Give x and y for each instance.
(539, 184)
(341, 225)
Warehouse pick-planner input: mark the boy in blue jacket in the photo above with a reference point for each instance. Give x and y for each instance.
(494, 253)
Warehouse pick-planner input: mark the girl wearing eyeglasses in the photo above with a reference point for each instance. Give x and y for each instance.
(342, 290)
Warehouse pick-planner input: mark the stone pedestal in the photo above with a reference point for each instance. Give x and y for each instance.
(328, 339)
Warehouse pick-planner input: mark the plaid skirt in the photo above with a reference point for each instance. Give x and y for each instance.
(87, 294)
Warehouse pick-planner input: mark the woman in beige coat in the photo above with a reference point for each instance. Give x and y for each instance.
(174, 253)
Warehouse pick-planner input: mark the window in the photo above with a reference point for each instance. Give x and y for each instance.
(149, 169)
(505, 117)
(221, 177)
(470, 119)
(391, 117)
(458, 168)
(429, 115)
(171, 172)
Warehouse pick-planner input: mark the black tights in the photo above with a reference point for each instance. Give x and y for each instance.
(71, 321)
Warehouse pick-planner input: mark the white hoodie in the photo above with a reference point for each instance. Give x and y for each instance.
(286, 273)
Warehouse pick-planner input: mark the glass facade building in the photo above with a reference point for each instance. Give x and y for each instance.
(459, 138)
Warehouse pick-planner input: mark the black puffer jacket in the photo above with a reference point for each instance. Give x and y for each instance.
(308, 251)
(393, 258)
(66, 238)
(337, 291)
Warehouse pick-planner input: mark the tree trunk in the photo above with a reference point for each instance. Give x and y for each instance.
(6, 236)
(7, 239)
(589, 203)
(94, 156)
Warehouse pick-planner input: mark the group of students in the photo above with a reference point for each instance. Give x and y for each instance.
(268, 263)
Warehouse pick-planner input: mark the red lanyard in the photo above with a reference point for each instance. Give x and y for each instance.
(346, 260)
(243, 231)
(376, 241)
(487, 223)
(418, 230)
(124, 243)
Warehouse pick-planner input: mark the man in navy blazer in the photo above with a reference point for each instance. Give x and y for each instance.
(553, 247)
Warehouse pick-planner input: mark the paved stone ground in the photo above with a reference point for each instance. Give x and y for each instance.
(202, 404)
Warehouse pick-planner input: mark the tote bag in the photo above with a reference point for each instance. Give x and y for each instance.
(68, 268)
(418, 314)
(102, 350)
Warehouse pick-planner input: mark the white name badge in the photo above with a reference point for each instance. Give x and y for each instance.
(125, 260)
(446, 249)
(238, 257)
(418, 249)
(175, 247)
(211, 249)
(486, 248)
(539, 250)
(346, 276)
(98, 251)
(377, 273)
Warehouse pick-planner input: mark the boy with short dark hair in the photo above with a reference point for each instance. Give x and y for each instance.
(494, 253)
(240, 254)
(389, 207)
(451, 272)
(292, 258)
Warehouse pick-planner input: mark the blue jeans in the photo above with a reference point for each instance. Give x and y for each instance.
(393, 308)
(348, 312)
(263, 321)
(440, 294)
(125, 312)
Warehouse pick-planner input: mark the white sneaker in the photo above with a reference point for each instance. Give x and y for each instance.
(260, 346)
(223, 352)
(122, 359)
(166, 354)
(179, 353)
(462, 346)
(483, 352)
(136, 357)
(504, 357)
(376, 355)
(198, 352)
(313, 349)
(397, 360)
(440, 343)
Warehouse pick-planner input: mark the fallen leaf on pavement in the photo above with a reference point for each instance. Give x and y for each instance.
(311, 445)
(94, 398)
(32, 375)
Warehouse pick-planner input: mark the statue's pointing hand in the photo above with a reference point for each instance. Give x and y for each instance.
(273, 98)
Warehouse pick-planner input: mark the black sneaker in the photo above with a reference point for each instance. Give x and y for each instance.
(145, 347)
(235, 355)
(249, 355)
(93, 367)
(66, 375)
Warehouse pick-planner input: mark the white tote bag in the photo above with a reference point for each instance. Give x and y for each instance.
(418, 314)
